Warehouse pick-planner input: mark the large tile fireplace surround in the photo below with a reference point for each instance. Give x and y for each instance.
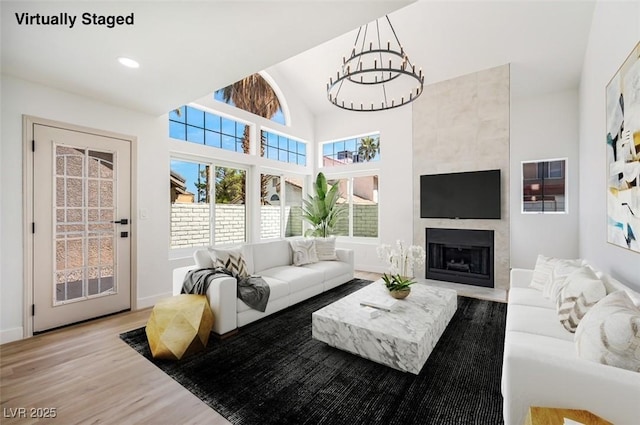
(461, 256)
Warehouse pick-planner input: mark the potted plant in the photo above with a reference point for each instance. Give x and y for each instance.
(320, 210)
(399, 287)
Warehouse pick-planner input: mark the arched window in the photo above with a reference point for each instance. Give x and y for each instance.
(254, 94)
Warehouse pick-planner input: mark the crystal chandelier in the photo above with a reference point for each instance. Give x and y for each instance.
(375, 76)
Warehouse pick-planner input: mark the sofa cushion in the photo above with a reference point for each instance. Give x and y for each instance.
(531, 297)
(231, 259)
(326, 248)
(298, 278)
(271, 254)
(581, 291)
(304, 251)
(610, 333)
(278, 289)
(536, 320)
(331, 269)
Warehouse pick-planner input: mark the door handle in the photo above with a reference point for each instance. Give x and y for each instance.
(122, 221)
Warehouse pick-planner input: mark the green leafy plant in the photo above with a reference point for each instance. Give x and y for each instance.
(320, 210)
(395, 282)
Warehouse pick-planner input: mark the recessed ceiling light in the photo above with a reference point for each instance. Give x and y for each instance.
(129, 63)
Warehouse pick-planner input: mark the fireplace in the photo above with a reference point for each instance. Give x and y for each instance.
(460, 255)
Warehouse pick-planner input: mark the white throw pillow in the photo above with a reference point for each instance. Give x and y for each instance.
(304, 251)
(561, 270)
(542, 272)
(581, 291)
(326, 248)
(231, 259)
(610, 333)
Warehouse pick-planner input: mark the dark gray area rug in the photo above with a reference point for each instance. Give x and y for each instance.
(273, 372)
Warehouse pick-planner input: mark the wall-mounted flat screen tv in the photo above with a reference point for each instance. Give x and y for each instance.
(474, 194)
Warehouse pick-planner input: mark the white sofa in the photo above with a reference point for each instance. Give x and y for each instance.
(541, 366)
(288, 284)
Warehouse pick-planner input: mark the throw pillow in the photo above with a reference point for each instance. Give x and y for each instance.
(326, 248)
(304, 251)
(581, 291)
(561, 270)
(542, 272)
(610, 333)
(230, 259)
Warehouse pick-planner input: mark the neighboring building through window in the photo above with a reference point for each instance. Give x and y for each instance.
(204, 128)
(349, 151)
(544, 186)
(283, 149)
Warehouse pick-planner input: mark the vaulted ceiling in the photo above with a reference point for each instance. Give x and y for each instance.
(189, 49)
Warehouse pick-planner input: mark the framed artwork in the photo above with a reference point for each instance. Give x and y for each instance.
(623, 154)
(544, 186)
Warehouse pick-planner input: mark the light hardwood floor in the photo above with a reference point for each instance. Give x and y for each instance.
(89, 375)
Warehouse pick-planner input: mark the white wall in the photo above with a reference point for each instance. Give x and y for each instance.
(394, 168)
(544, 127)
(615, 30)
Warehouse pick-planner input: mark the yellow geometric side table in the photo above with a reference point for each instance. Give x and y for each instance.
(179, 325)
(553, 416)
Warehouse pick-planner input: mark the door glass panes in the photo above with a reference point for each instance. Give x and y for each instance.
(270, 206)
(190, 194)
(84, 231)
(230, 208)
(365, 206)
(293, 208)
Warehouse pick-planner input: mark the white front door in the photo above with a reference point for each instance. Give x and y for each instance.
(81, 225)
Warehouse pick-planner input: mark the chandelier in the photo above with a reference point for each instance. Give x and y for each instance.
(375, 77)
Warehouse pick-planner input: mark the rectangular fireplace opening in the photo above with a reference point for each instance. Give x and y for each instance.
(460, 255)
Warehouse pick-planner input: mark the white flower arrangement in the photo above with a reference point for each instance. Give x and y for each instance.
(401, 259)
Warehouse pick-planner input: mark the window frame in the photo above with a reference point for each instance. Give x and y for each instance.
(212, 163)
(543, 173)
(350, 176)
(356, 139)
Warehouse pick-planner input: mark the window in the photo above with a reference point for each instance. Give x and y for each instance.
(270, 208)
(190, 206)
(359, 195)
(276, 212)
(241, 94)
(349, 151)
(283, 149)
(544, 186)
(204, 128)
(191, 198)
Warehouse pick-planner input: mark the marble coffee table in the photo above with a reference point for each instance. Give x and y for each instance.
(402, 338)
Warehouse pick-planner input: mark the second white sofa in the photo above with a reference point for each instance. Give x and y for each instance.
(542, 368)
(273, 261)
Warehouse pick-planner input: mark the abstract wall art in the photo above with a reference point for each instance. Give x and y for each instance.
(623, 154)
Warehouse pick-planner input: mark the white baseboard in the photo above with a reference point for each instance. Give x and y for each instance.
(10, 335)
(151, 301)
(375, 268)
